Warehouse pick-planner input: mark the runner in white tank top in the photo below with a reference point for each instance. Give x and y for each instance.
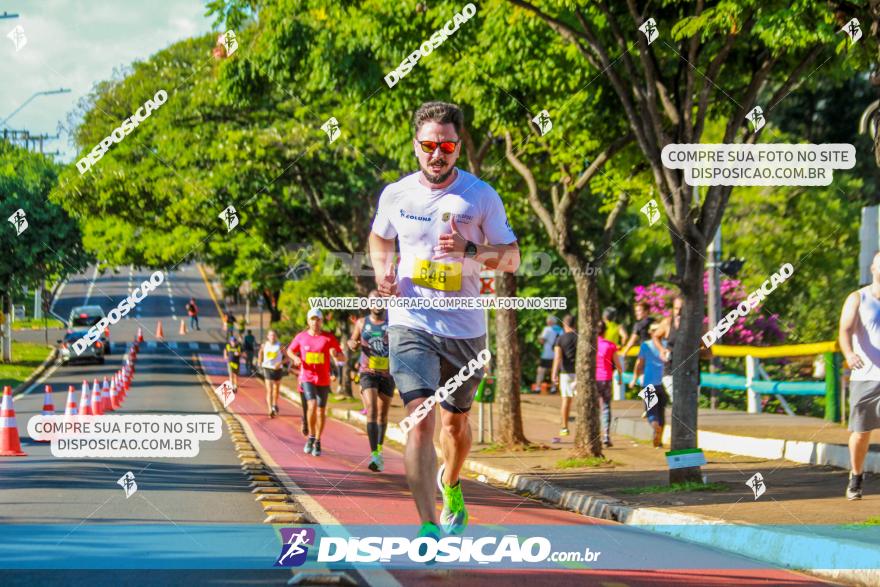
(859, 340)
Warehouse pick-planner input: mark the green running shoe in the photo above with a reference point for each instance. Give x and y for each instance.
(428, 530)
(375, 462)
(454, 517)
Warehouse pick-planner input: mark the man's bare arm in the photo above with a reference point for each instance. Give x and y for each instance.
(382, 258)
(504, 258)
(848, 317)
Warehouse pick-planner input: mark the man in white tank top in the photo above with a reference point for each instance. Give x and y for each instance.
(859, 339)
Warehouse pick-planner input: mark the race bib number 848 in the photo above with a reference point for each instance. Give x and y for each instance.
(436, 275)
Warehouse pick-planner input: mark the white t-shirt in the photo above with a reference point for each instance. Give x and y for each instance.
(417, 216)
(549, 334)
(271, 355)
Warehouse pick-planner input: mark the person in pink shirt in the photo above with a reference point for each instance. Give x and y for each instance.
(311, 352)
(607, 360)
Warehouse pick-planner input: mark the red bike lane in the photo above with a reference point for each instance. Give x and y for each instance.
(344, 491)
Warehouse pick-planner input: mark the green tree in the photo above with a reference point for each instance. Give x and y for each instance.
(668, 91)
(51, 244)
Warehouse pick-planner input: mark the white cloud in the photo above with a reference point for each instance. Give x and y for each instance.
(77, 44)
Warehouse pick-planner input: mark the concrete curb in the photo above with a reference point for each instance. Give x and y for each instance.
(798, 451)
(784, 548)
(36, 374)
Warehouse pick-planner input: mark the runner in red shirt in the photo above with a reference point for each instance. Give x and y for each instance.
(311, 351)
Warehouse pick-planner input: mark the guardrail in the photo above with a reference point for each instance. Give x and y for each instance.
(756, 382)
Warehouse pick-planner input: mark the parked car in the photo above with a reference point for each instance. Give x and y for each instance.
(86, 317)
(93, 352)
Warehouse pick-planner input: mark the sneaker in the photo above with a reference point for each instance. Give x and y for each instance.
(854, 489)
(271, 412)
(309, 444)
(454, 517)
(375, 462)
(381, 460)
(428, 530)
(608, 442)
(563, 432)
(316, 450)
(275, 409)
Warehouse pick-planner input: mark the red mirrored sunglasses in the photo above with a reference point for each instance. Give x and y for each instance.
(445, 146)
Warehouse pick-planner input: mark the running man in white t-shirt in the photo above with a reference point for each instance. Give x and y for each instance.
(448, 223)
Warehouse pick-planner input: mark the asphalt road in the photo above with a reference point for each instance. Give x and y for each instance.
(174, 492)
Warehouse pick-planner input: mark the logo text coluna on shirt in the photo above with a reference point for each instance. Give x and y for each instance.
(408, 216)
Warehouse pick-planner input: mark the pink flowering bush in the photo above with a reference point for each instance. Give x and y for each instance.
(756, 329)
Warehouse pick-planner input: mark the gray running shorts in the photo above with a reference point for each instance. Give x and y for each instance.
(864, 406)
(421, 362)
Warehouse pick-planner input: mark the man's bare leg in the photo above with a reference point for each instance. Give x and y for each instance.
(858, 448)
(566, 410)
(421, 464)
(455, 444)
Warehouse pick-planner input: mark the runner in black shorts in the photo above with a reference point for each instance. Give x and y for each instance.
(311, 351)
(449, 224)
(377, 387)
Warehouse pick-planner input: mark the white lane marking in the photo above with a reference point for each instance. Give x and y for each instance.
(173, 317)
(91, 287)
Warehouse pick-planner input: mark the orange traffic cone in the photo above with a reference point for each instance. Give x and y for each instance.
(106, 404)
(182, 326)
(84, 404)
(114, 397)
(70, 411)
(160, 335)
(48, 406)
(97, 401)
(10, 443)
(140, 335)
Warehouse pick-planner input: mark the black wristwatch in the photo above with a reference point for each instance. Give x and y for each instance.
(470, 249)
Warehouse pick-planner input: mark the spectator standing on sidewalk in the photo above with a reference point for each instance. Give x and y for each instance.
(640, 329)
(607, 360)
(670, 334)
(650, 362)
(614, 331)
(192, 311)
(859, 340)
(547, 340)
(563, 368)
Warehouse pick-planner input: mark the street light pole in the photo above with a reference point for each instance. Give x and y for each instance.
(29, 100)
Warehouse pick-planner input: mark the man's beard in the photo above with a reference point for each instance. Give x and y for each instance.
(432, 178)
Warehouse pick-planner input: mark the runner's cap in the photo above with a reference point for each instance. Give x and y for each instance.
(315, 313)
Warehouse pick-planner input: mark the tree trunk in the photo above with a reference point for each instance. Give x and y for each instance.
(588, 432)
(686, 366)
(508, 370)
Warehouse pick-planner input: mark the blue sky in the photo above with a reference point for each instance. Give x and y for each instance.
(77, 43)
